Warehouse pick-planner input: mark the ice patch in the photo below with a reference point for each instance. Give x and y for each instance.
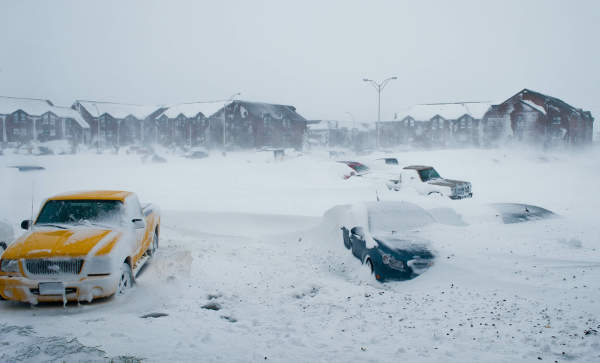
(22, 344)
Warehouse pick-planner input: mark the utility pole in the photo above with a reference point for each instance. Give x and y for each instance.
(379, 88)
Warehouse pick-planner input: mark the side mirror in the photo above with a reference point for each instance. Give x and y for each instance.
(358, 232)
(3, 246)
(26, 224)
(138, 223)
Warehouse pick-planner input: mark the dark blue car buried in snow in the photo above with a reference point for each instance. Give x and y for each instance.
(382, 240)
(384, 235)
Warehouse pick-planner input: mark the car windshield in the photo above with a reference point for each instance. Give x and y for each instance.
(429, 174)
(93, 212)
(358, 167)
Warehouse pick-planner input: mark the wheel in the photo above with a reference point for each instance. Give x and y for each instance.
(126, 279)
(154, 246)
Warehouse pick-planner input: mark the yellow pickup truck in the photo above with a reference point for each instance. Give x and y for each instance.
(82, 246)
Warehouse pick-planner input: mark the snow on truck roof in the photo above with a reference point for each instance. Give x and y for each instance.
(417, 167)
(93, 195)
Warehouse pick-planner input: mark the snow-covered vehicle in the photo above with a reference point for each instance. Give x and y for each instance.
(355, 168)
(6, 235)
(379, 235)
(517, 212)
(82, 246)
(427, 181)
(197, 154)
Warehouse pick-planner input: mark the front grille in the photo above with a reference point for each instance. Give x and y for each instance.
(462, 189)
(68, 290)
(53, 267)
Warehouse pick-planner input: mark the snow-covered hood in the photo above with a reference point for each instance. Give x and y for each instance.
(405, 243)
(446, 182)
(46, 243)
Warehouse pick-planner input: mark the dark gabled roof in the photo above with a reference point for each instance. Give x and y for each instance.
(417, 167)
(549, 99)
(260, 109)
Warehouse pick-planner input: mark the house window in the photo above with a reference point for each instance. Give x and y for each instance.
(556, 120)
(463, 124)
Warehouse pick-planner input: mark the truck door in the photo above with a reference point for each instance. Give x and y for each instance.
(138, 223)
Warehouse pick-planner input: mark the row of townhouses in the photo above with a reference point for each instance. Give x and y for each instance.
(529, 117)
(235, 124)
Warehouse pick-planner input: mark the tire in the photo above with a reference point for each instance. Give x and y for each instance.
(435, 194)
(154, 246)
(125, 279)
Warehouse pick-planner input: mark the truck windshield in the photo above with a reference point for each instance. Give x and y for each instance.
(429, 174)
(105, 212)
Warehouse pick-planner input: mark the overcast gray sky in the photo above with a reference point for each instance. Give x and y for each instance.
(310, 54)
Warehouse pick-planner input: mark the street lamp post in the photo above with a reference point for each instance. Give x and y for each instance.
(379, 88)
(225, 119)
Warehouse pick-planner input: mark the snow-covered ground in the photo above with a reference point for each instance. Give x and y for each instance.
(249, 269)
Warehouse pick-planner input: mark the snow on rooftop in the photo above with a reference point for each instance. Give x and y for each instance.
(117, 110)
(534, 106)
(37, 107)
(34, 107)
(449, 111)
(71, 113)
(192, 109)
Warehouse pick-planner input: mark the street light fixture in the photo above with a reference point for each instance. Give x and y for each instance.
(379, 88)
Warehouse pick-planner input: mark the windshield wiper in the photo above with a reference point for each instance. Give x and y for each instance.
(51, 225)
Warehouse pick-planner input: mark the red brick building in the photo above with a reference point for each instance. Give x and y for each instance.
(535, 118)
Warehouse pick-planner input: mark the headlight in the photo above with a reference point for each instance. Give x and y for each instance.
(419, 265)
(99, 265)
(392, 262)
(10, 266)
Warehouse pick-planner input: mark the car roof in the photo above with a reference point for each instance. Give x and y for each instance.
(418, 167)
(93, 195)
